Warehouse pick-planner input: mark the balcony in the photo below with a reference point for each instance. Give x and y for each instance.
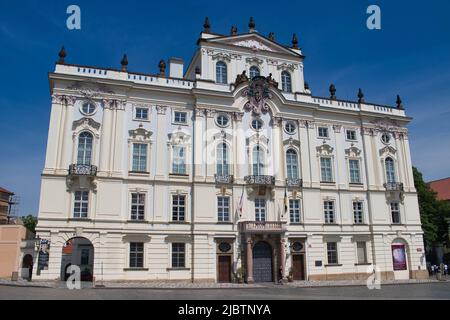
(262, 181)
(262, 227)
(394, 186)
(83, 170)
(294, 183)
(224, 178)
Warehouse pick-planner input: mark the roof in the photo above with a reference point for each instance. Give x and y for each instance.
(3, 190)
(442, 187)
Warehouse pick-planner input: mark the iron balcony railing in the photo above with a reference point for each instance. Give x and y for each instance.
(294, 182)
(83, 170)
(262, 226)
(394, 186)
(224, 178)
(260, 180)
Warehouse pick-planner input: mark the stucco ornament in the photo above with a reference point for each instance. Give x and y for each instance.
(257, 93)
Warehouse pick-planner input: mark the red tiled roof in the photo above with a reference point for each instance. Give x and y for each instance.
(442, 187)
(5, 191)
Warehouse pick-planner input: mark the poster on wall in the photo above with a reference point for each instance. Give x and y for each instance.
(399, 257)
(44, 255)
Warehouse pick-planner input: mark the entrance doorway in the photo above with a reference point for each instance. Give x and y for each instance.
(298, 267)
(78, 252)
(224, 269)
(27, 266)
(262, 262)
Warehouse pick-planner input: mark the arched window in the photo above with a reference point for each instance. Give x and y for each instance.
(286, 83)
(390, 170)
(85, 148)
(221, 72)
(258, 161)
(292, 164)
(222, 160)
(254, 72)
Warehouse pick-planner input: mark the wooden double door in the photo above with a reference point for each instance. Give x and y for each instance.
(224, 269)
(298, 267)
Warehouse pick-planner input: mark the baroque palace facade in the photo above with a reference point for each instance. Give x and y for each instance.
(231, 168)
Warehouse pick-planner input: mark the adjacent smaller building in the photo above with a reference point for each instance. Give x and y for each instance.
(442, 188)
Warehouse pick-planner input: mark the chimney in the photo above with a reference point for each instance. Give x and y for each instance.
(176, 66)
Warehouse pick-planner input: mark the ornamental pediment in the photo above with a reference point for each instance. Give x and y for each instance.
(85, 123)
(387, 150)
(353, 152)
(325, 150)
(140, 134)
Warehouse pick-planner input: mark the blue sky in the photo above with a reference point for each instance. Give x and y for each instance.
(408, 56)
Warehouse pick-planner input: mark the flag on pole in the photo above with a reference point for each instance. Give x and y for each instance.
(286, 202)
(241, 204)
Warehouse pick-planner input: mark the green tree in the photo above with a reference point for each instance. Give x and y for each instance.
(433, 212)
(30, 223)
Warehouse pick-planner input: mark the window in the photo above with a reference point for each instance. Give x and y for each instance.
(254, 72)
(222, 160)
(84, 257)
(178, 208)
(258, 161)
(85, 148)
(223, 209)
(88, 108)
(361, 250)
(139, 157)
(332, 253)
(294, 210)
(290, 127)
(325, 167)
(358, 217)
(260, 210)
(390, 170)
(257, 124)
(286, 83)
(180, 117)
(355, 175)
(328, 207)
(323, 132)
(179, 160)
(221, 72)
(81, 204)
(292, 164)
(137, 206)
(222, 120)
(351, 135)
(395, 213)
(386, 138)
(178, 255)
(141, 114)
(136, 255)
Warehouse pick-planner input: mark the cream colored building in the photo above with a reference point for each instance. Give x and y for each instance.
(204, 171)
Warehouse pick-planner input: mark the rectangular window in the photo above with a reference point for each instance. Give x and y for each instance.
(351, 135)
(361, 249)
(178, 255)
(260, 210)
(141, 114)
(332, 253)
(223, 209)
(179, 160)
(355, 175)
(137, 206)
(358, 212)
(323, 132)
(180, 117)
(84, 257)
(81, 204)
(139, 157)
(395, 212)
(178, 208)
(325, 167)
(294, 210)
(136, 255)
(328, 207)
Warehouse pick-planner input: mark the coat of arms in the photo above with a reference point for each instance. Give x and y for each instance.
(257, 93)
